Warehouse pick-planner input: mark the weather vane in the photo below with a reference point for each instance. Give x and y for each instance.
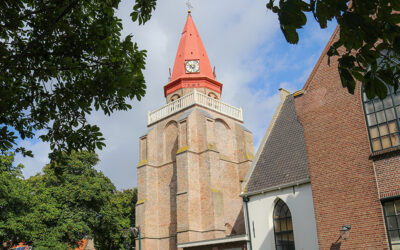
(189, 5)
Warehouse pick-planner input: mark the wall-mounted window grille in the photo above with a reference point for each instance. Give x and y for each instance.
(283, 228)
(383, 120)
(392, 218)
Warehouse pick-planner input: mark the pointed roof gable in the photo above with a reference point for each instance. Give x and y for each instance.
(191, 48)
(283, 158)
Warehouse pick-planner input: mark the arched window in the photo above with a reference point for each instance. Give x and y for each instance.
(383, 120)
(213, 95)
(283, 228)
(223, 137)
(175, 97)
(170, 141)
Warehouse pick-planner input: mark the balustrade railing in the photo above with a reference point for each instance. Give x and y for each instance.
(192, 99)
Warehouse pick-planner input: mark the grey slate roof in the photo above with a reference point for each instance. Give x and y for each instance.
(283, 159)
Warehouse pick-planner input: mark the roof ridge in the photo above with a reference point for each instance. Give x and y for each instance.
(263, 142)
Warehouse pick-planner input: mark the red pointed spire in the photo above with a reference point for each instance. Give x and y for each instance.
(191, 49)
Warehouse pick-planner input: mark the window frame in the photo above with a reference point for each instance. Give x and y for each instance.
(397, 218)
(286, 232)
(396, 120)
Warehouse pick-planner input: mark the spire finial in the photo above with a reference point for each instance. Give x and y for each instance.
(189, 5)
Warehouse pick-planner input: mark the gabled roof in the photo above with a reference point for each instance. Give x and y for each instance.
(283, 158)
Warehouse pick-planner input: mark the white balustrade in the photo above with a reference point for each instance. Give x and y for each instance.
(192, 99)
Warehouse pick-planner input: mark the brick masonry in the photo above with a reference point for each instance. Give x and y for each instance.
(346, 183)
(189, 174)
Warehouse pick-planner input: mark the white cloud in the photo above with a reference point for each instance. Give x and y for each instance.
(34, 165)
(241, 38)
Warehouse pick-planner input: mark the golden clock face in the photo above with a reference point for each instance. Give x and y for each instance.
(192, 66)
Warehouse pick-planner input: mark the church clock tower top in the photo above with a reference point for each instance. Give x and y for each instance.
(192, 68)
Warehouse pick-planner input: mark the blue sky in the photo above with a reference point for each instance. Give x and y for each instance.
(252, 60)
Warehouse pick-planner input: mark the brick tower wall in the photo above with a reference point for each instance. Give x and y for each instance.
(342, 175)
(189, 176)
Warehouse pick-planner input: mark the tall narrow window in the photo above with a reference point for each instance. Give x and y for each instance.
(283, 228)
(392, 216)
(383, 120)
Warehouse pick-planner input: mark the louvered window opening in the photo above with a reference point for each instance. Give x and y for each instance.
(283, 228)
(383, 120)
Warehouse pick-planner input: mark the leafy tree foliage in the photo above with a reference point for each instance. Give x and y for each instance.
(68, 202)
(14, 200)
(369, 44)
(60, 59)
(117, 216)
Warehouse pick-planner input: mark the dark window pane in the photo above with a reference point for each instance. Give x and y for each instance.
(396, 247)
(380, 116)
(389, 208)
(397, 206)
(371, 119)
(398, 111)
(369, 107)
(383, 129)
(277, 226)
(373, 131)
(289, 224)
(283, 227)
(291, 238)
(391, 222)
(393, 127)
(376, 144)
(395, 141)
(397, 98)
(378, 105)
(394, 237)
(386, 142)
(390, 114)
(387, 102)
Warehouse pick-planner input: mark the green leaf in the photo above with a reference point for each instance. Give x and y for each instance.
(357, 75)
(347, 80)
(395, 18)
(134, 16)
(291, 34)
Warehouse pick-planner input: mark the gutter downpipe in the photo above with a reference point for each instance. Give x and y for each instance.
(246, 220)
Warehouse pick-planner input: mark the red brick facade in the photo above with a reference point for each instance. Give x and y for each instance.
(387, 168)
(347, 184)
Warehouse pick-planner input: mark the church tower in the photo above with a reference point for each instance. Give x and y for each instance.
(192, 160)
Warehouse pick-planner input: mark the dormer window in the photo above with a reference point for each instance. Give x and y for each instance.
(383, 120)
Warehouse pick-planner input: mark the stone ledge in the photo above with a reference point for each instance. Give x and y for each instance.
(143, 162)
(250, 157)
(225, 158)
(182, 149)
(386, 153)
(212, 147)
(139, 202)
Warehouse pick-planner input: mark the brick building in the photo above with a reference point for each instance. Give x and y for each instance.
(338, 164)
(192, 160)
